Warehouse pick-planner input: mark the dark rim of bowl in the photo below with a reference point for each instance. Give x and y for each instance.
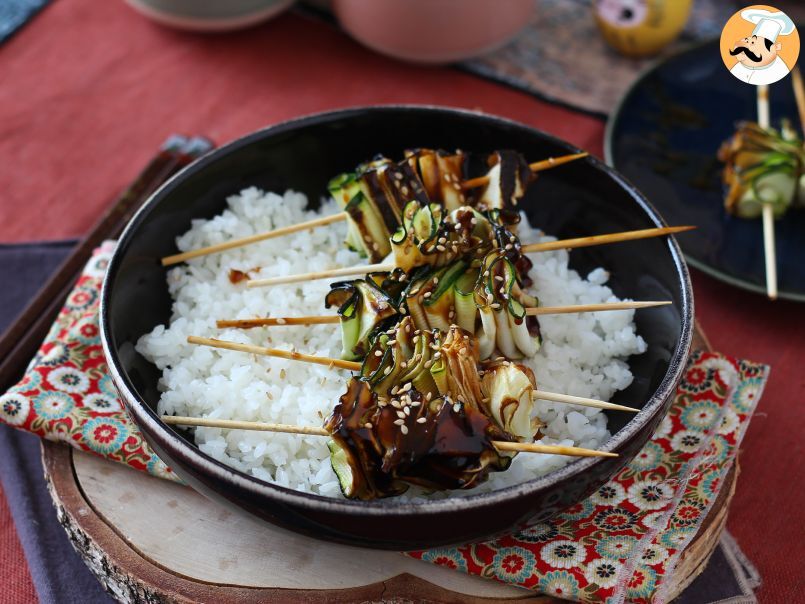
(145, 416)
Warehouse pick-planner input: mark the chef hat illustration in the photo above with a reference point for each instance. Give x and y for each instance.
(768, 25)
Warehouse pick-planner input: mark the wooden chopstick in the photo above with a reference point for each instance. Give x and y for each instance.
(19, 343)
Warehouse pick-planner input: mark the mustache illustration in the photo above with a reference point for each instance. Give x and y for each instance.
(752, 56)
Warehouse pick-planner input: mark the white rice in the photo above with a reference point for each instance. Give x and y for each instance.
(582, 354)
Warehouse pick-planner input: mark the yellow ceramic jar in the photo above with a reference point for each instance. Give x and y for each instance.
(639, 28)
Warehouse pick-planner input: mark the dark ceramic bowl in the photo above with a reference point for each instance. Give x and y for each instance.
(582, 198)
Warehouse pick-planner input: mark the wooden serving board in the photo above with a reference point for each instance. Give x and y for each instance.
(148, 540)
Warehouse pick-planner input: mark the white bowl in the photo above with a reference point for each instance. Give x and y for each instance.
(209, 15)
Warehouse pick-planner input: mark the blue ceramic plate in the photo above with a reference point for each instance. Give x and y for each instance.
(664, 136)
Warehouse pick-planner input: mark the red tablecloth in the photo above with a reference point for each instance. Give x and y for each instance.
(89, 90)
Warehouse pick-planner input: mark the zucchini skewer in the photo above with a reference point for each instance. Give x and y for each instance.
(371, 202)
(423, 411)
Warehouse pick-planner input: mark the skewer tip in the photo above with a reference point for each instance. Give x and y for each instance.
(682, 229)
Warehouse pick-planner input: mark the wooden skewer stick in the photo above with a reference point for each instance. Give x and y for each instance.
(277, 321)
(331, 319)
(799, 95)
(563, 244)
(349, 271)
(537, 166)
(567, 244)
(581, 401)
(240, 242)
(355, 366)
(274, 352)
(769, 247)
(231, 424)
(606, 306)
(500, 445)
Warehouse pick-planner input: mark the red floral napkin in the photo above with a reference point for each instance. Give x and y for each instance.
(625, 540)
(67, 394)
(621, 543)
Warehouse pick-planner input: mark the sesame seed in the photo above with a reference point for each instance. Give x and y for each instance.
(387, 370)
(435, 280)
(440, 247)
(437, 355)
(391, 342)
(422, 420)
(428, 364)
(508, 246)
(407, 387)
(428, 396)
(473, 221)
(368, 426)
(457, 408)
(378, 353)
(375, 247)
(398, 176)
(502, 290)
(486, 273)
(404, 190)
(404, 429)
(395, 403)
(415, 403)
(394, 390)
(400, 414)
(512, 238)
(407, 410)
(442, 240)
(270, 396)
(281, 321)
(498, 278)
(496, 306)
(404, 364)
(398, 422)
(403, 310)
